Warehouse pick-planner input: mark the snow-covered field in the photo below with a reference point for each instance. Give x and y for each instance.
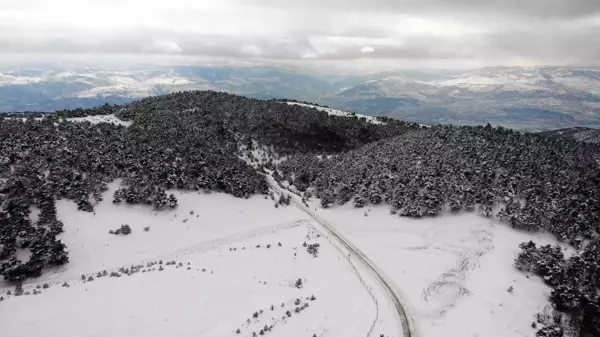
(225, 259)
(232, 258)
(455, 270)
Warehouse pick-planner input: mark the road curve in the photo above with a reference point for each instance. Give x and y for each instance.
(407, 323)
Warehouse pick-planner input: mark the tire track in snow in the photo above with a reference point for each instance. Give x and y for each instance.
(408, 327)
(449, 287)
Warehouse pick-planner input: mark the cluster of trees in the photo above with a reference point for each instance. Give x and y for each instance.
(530, 181)
(188, 140)
(575, 283)
(18, 232)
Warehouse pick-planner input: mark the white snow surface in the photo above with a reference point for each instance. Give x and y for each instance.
(335, 112)
(223, 279)
(454, 270)
(112, 119)
(454, 273)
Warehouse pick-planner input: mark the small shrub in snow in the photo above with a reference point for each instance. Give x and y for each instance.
(147, 229)
(268, 246)
(9, 293)
(124, 230)
(288, 313)
(511, 289)
(90, 279)
(66, 285)
(298, 283)
(161, 268)
(279, 244)
(1, 298)
(313, 249)
(172, 201)
(45, 286)
(550, 331)
(238, 331)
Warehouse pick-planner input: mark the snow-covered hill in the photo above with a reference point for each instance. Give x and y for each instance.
(526, 98)
(335, 112)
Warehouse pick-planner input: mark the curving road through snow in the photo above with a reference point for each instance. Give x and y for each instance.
(408, 327)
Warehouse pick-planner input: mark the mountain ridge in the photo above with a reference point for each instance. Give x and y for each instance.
(526, 98)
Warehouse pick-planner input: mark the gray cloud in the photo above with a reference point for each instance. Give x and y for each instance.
(489, 32)
(536, 8)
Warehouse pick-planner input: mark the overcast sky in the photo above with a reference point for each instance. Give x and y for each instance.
(440, 33)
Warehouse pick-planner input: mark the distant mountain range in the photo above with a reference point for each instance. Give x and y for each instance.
(524, 98)
(582, 134)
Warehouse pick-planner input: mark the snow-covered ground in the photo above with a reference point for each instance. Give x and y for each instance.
(455, 270)
(233, 257)
(112, 119)
(335, 112)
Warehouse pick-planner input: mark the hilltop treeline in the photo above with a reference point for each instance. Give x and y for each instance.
(535, 182)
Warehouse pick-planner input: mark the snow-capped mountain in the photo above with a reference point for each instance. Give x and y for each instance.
(532, 98)
(582, 134)
(52, 89)
(525, 98)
